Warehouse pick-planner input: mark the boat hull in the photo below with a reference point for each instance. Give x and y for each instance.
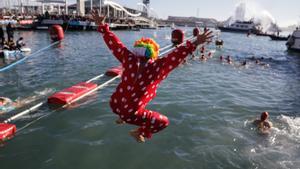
(226, 29)
(278, 38)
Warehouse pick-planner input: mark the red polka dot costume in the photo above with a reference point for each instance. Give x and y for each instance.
(139, 83)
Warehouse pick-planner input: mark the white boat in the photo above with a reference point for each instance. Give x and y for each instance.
(10, 55)
(25, 49)
(239, 26)
(293, 43)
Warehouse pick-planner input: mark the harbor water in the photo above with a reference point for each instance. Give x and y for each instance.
(210, 106)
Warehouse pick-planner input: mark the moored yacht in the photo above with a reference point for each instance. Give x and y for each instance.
(239, 26)
(293, 43)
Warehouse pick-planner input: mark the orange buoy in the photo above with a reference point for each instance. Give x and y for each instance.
(56, 33)
(115, 71)
(7, 131)
(177, 37)
(196, 31)
(70, 94)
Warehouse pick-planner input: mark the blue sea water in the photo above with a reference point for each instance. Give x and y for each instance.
(210, 106)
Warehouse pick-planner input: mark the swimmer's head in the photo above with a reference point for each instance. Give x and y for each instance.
(2, 100)
(146, 47)
(264, 116)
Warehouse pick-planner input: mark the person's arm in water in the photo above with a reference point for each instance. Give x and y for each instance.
(112, 41)
(175, 58)
(263, 126)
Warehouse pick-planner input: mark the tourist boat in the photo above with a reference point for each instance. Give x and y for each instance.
(262, 34)
(279, 38)
(293, 43)
(81, 25)
(44, 24)
(240, 26)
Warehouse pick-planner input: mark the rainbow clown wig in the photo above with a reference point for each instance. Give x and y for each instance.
(146, 47)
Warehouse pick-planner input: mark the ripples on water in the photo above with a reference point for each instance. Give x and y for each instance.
(210, 106)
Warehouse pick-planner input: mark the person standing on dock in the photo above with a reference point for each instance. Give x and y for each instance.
(10, 32)
(143, 72)
(2, 37)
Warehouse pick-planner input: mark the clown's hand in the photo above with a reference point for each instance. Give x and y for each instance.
(98, 19)
(202, 38)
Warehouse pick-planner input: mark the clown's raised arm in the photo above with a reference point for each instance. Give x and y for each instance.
(118, 49)
(173, 59)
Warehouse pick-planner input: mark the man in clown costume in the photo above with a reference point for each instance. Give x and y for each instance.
(143, 72)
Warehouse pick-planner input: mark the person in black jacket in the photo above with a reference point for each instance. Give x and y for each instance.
(2, 38)
(10, 32)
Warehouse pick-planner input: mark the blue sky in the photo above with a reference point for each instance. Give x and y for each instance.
(285, 12)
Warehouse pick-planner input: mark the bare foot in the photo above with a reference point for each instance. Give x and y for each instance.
(136, 135)
(120, 121)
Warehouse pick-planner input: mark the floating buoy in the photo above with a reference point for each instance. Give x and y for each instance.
(115, 71)
(177, 37)
(196, 31)
(68, 95)
(7, 131)
(56, 33)
(219, 42)
(25, 50)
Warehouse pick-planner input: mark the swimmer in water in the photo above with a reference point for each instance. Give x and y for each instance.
(258, 62)
(229, 60)
(244, 63)
(203, 58)
(263, 124)
(221, 58)
(7, 105)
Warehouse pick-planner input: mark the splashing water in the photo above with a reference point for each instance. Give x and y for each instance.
(252, 11)
(291, 127)
(37, 95)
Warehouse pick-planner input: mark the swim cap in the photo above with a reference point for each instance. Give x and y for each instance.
(146, 47)
(264, 116)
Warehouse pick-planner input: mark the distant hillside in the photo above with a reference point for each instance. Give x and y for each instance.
(191, 21)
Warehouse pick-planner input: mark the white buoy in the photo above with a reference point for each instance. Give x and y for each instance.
(25, 50)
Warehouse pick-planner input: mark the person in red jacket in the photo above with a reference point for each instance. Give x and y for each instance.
(143, 72)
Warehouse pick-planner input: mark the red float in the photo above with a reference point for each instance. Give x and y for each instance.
(7, 131)
(56, 33)
(196, 31)
(67, 95)
(177, 37)
(115, 71)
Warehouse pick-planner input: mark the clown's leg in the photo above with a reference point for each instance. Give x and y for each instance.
(149, 121)
(120, 121)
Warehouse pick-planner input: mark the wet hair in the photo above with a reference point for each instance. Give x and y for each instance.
(264, 116)
(21, 38)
